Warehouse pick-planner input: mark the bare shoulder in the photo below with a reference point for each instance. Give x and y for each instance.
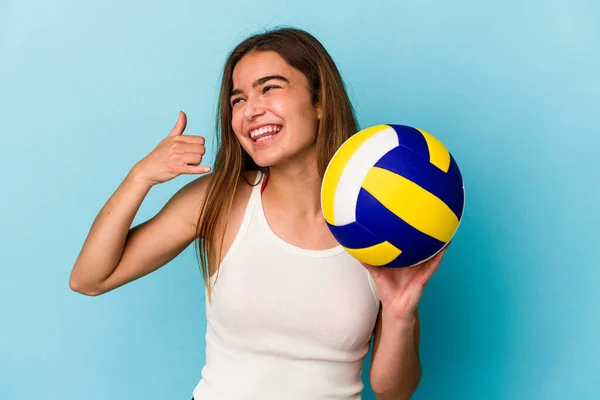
(189, 199)
(186, 203)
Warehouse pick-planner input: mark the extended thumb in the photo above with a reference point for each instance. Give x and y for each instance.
(179, 125)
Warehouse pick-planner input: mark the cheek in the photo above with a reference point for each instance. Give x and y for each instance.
(277, 105)
(292, 108)
(307, 116)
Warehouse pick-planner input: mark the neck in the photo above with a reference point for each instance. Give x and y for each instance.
(296, 187)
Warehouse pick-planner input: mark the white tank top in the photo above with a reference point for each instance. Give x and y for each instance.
(285, 322)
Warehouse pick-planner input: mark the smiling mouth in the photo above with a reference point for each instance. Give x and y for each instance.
(265, 132)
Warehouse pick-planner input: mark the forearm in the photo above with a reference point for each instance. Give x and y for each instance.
(106, 239)
(395, 366)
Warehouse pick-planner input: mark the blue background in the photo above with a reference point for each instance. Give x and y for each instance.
(511, 87)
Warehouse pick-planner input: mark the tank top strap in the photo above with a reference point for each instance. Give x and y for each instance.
(254, 201)
(252, 206)
(259, 183)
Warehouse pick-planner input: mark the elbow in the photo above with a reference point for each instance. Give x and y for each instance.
(86, 290)
(389, 395)
(404, 391)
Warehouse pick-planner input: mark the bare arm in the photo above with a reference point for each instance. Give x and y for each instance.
(113, 253)
(395, 369)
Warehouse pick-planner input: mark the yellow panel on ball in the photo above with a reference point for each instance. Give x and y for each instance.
(416, 206)
(438, 154)
(379, 254)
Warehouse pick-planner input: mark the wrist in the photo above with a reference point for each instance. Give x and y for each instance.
(135, 179)
(405, 322)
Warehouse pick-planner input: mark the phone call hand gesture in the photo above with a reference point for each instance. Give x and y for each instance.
(175, 155)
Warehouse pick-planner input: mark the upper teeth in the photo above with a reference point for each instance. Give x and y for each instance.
(264, 129)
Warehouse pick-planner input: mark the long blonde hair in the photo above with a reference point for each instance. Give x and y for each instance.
(305, 53)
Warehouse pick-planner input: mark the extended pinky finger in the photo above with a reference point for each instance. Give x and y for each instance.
(193, 169)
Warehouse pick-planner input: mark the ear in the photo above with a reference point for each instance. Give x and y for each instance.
(319, 112)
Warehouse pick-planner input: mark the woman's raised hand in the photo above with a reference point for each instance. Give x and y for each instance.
(175, 155)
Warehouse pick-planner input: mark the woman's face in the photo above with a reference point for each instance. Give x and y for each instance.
(273, 116)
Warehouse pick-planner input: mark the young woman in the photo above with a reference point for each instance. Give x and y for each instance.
(290, 314)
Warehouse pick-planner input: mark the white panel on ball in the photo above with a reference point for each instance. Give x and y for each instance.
(348, 188)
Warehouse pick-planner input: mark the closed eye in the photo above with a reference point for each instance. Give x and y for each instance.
(266, 88)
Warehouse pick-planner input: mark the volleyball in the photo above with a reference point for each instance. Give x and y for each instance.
(392, 195)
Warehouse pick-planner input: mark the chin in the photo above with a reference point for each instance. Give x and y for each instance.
(268, 158)
(265, 162)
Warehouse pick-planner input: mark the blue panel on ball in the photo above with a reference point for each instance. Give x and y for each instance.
(454, 172)
(415, 245)
(354, 236)
(412, 139)
(404, 260)
(415, 168)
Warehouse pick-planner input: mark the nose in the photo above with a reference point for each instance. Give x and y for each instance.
(254, 108)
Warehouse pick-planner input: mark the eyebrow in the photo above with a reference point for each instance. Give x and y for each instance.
(261, 81)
